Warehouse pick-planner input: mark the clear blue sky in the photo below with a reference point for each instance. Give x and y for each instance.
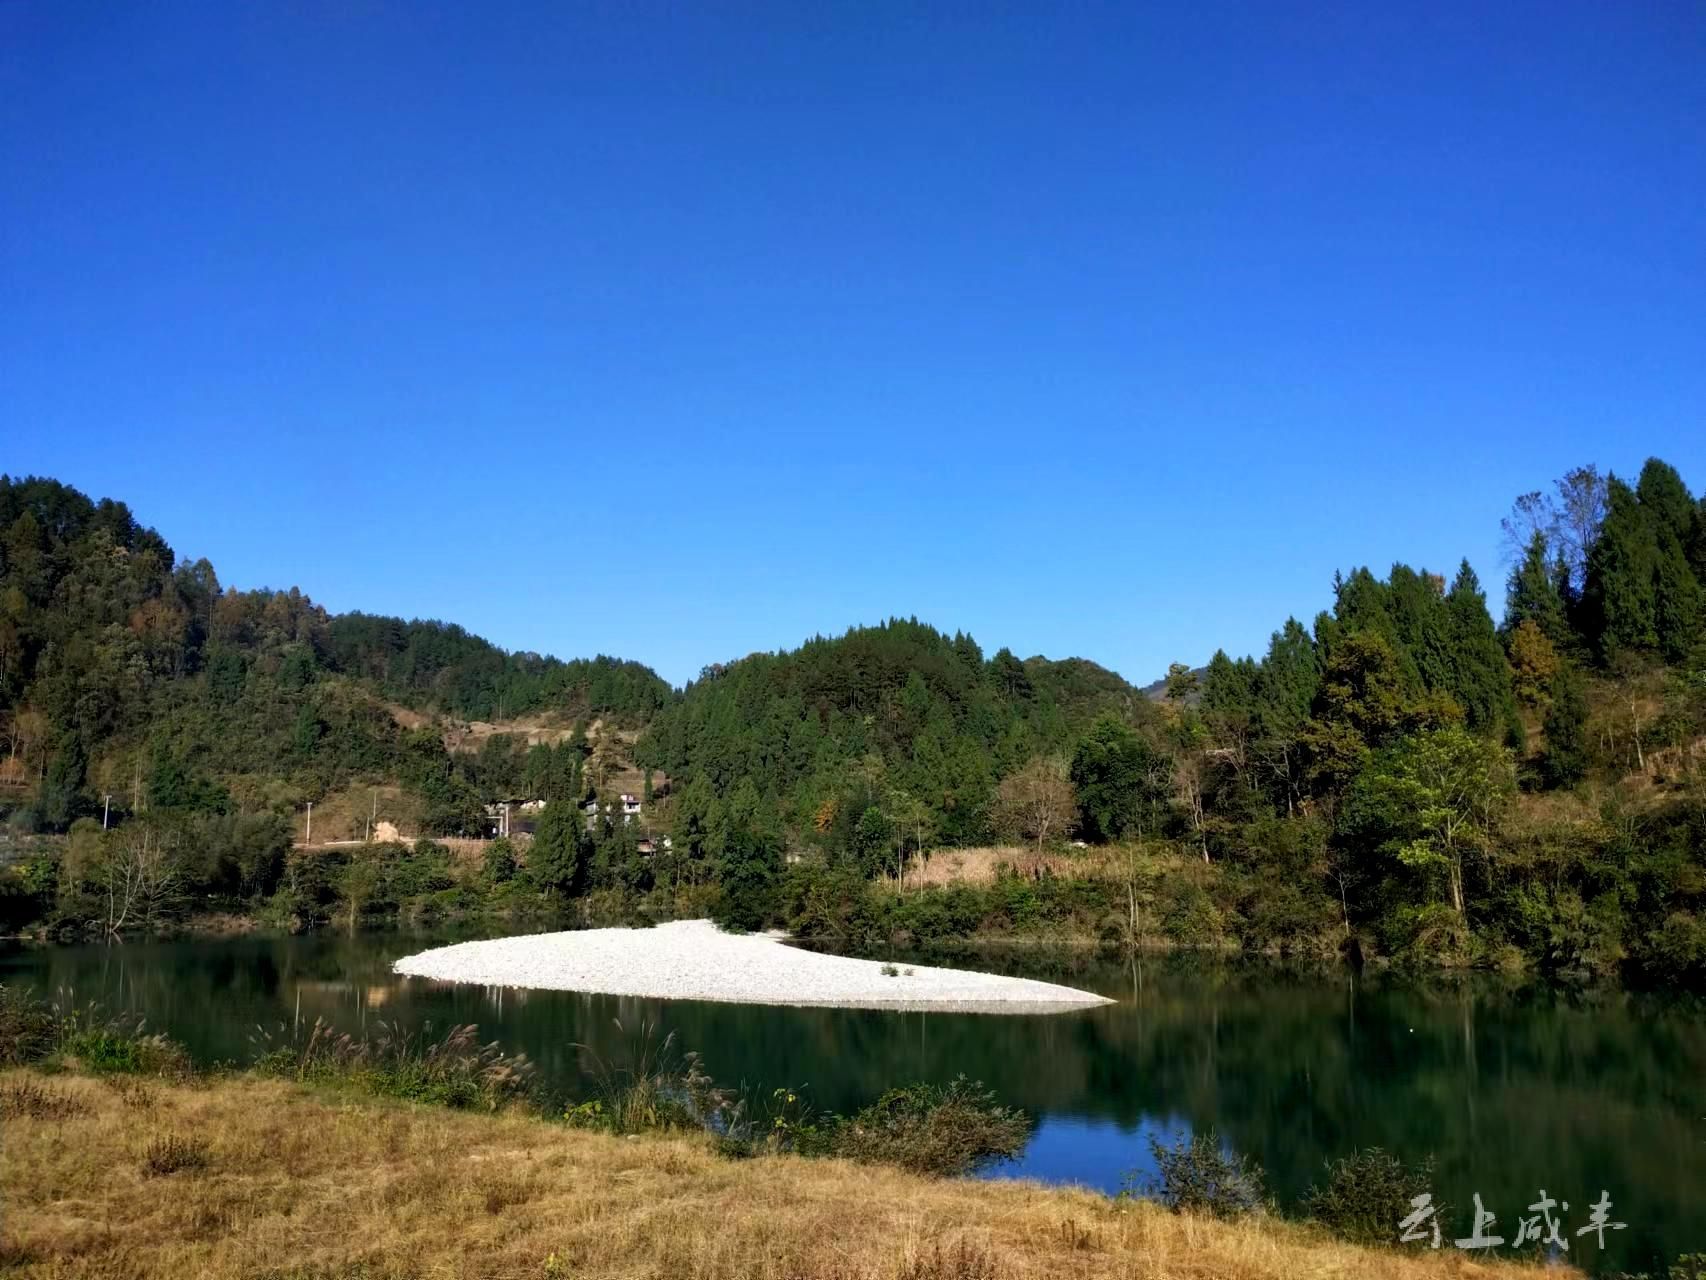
(1108, 330)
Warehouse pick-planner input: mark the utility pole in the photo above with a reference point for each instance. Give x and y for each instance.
(373, 814)
(106, 810)
(308, 835)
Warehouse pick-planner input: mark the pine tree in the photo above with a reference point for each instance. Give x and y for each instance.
(1678, 602)
(1666, 500)
(556, 860)
(1533, 596)
(1480, 676)
(1619, 607)
(1697, 542)
(1566, 758)
(1287, 680)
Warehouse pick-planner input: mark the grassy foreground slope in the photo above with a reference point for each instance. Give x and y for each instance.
(302, 1184)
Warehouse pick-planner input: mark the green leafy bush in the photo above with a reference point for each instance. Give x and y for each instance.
(1366, 1192)
(933, 1129)
(120, 1049)
(1196, 1175)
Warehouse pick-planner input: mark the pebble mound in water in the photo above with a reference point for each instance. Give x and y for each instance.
(694, 960)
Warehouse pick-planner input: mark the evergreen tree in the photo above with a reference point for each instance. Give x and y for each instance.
(1671, 513)
(1360, 706)
(1566, 758)
(751, 861)
(1533, 593)
(1480, 677)
(1679, 604)
(1666, 501)
(1009, 674)
(498, 864)
(1697, 542)
(1115, 774)
(557, 858)
(1619, 607)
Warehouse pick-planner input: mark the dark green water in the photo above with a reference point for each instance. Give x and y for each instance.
(1509, 1091)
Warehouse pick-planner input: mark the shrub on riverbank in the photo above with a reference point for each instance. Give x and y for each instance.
(33, 1032)
(836, 904)
(29, 1028)
(1364, 1193)
(931, 1129)
(655, 1088)
(1194, 1174)
(456, 1070)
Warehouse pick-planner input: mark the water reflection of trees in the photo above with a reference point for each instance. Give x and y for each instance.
(1510, 1090)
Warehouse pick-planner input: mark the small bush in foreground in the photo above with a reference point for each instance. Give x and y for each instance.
(172, 1153)
(116, 1049)
(29, 1027)
(1365, 1193)
(1194, 1175)
(932, 1129)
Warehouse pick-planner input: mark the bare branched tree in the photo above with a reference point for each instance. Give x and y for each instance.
(1569, 520)
(1037, 801)
(140, 875)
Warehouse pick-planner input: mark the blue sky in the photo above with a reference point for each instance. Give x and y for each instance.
(678, 332)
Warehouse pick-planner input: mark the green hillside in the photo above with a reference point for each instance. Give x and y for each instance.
(1404, 778)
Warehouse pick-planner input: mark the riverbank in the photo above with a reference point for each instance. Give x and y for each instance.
(283, 1181)
(694, 960)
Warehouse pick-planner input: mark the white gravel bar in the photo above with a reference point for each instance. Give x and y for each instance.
(694, 960)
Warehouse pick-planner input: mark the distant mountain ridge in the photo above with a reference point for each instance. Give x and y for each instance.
(121, 665)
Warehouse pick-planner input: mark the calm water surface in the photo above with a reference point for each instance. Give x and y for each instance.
(1508, 1091)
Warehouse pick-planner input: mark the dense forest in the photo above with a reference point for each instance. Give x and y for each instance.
(1405, 778)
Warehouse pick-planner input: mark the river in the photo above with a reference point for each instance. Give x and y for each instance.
(1509, 1090)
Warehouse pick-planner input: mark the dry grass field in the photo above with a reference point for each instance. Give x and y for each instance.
(252, 1178)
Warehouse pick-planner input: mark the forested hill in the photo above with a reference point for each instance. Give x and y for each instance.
(439, 666)
(125, 670)
(898, 710)
(1407, 771)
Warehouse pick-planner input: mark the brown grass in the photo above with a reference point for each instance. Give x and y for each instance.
(979, 865)
(299, 1184)
(344, 814)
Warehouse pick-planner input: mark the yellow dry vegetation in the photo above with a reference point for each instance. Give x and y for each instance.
(980, 865)
(251, 1178)
(345, 814)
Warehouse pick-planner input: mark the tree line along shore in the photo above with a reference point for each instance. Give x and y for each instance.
(1405, 779)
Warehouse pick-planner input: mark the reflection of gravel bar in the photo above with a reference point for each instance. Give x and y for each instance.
(693, 960)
